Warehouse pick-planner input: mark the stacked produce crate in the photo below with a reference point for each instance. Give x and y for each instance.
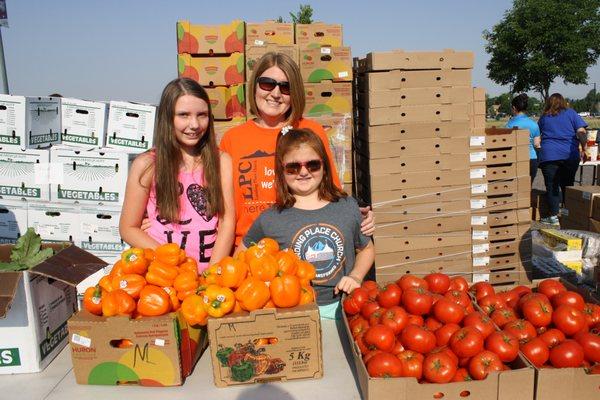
(213, 55)
(326, 67)
(412, 159)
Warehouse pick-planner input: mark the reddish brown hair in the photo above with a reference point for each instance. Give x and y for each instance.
(290, 141)
(555, 104)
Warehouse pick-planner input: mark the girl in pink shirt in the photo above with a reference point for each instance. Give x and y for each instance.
(184, 183)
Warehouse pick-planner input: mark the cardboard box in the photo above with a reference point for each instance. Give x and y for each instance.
(416, 60)
(391, 244)
(413, 147)
(493, 219)
(164, 349)
(438, 194)
(297, 354)
(502, 156)
(579, 200)
(12, 120)
(43, 121)
(227, 102)
(498, 187)
(579, 223)
(99, 232)
(411, 164)
(499, 172)
(213, 71)
(326, 64)
(409, 131)
(223, 126)
(269, 32)
(412, 79)
(13, 220)
(422, 113)
(24, 173)
(500, 203)
(318, 34)
(255, 52)
(328, 98)
(410, 212)
(338, 129)
(492, 234)
(390, 272)
(35, 306)
(54, 222)
(210, 39)
(412, 179)
(539, 205)
(130, 126)
(83, 123)
(504, 247)
(423, 225)
(415, 97)
(504, 278)
(411, 257)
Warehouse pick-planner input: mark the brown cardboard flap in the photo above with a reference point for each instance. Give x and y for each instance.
(70, 265)
(8, 288)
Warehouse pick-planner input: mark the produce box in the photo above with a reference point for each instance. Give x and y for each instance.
(254, 52)
(269, 32)
(326, 64)
(223, 126)
(36, 304)
(130, 126)
(328, 98)
(416, 60)
(22, 173)
(150, 351)
(209, 39)
(213, 71)
(43, 121)
(13, 220)
(83, 123)
(266, 345)
(227, 102)
(318, 34)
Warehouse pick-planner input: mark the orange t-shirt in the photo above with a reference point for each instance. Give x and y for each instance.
(252, 151)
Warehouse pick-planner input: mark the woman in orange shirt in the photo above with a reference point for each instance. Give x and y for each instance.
(277, 99)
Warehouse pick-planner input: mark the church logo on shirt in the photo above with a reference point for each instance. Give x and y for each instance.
(323, 246)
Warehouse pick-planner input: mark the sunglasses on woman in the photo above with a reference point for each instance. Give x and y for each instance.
(269, 84)
(294, 168)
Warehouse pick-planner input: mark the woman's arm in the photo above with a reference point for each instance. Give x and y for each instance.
(363, 263)
(226, 229)
(367, 226)
(537, 142)
(137, 192)
(581, 134)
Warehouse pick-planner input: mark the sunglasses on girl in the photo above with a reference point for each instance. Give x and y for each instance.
(269, 84)
(294, 168)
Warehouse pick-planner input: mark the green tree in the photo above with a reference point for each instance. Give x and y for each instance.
(302, 16)
(538, 41)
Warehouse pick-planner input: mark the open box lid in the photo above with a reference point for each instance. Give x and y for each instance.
(70, 265)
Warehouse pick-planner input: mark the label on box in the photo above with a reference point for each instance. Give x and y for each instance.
(81, 340)
(479, 188)
(343, 74)
(325, 50)
(45, 230)
(159, 342)
(476, 141)
(481, 248)
(479, 220)
(477, 173)
(46, 173)
(481, 278)
(478, 156)
(89, 228)
(480, 235)
(478, 203)
(259, 42)
(481, 261)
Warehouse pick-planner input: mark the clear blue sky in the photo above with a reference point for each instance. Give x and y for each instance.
(126, 49)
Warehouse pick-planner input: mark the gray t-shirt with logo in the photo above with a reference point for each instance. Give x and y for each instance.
(327, 238)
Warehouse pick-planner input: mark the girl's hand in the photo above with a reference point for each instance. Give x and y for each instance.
(583, 155)
(347, 284)
(367, 226)
(146, 224)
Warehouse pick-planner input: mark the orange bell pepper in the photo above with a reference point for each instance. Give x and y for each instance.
(186, 281)
(194, 311)
(269, 304)
(117, 302)
(232, 272)
(237, 307)
(161, 274)
(134, 261)
(117, 269)
(153, 301)
(175, 303)
(168, 253)
(252, 294)
(306, 272)
(270, 245)
(92, 300)
(130, 283)
(241, 256)
(219, 300)
(211, 275)
(285, 291)
(183, 295)
(287, 261)
(149, 255)
(106, 283)
(264, 268)
(189, 264)
(307, 294)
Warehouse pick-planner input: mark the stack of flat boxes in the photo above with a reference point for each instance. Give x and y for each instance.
(582, 208)
(412, 159)
(213, 55)
(500, 202)
(326, 68)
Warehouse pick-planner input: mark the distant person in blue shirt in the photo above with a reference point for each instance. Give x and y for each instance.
(520, 120)
(563, 130)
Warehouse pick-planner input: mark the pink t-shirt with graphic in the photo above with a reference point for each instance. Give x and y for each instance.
(196, 232)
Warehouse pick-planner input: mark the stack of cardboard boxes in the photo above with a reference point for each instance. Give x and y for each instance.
(582, 209)
(412, 159)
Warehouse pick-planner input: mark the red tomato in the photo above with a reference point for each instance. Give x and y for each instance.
(355, 300)
(568, 298)
(443, 334)
(537, 311)
(490, 303)
(536, 351)
(438, 282)
(530, 296)
(412, 364)
(459, 297)
(376, 316)
(361, 344)
(417, 338)
(358, 326)
(521, 329)
(568, 354)
(466, 342)
(461, 375)
(395, 318)
(568, 319)
(370, 355)
(446, 350)
(510, 298)
(417, 301)
(481, 322)
(459, 283)
(398, 348)
(505, 345)
(483, 363)
(592, 314)
(432, 324)
(447, 311)
(407, 281)
(368, 308)
(369, 285)
(379, 337)
(389, 296)
(552, 337)
(384, 365)
(521, 290)
(415, 320)
(550, 287)
(482, 289)
(439, 368)
(590, 343)
(503, 316)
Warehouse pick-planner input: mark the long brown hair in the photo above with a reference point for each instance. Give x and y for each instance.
(290, 141)
(292, 71)
(168, 159)
(555, 104)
